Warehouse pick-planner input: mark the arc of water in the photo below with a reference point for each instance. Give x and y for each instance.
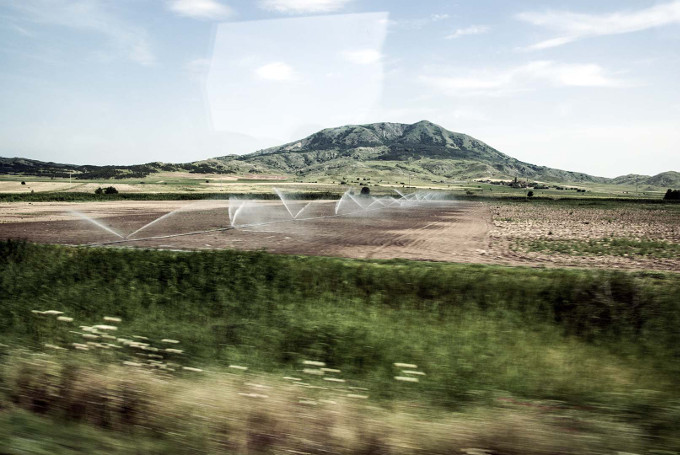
(379, 201)
(285, 204)
(339, 203)
(162, 217)
(96, 223)
(302, 209)
(232, 209)
(400, 193)
(152, 223)
(355, 200)
(236, 212)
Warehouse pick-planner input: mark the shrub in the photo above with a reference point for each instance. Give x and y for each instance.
(530, 194)
(672, 195)
(111, 190)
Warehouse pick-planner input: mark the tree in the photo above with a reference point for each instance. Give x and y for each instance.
(672, 195)
(99, 191)
(365, 191)
(111, 190)
(530, 194)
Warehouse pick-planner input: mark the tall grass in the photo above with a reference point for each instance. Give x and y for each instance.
(528, 331)
(584, 339)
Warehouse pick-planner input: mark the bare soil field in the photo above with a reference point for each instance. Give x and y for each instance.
(472, 232)
(629, 236)
(441, 231)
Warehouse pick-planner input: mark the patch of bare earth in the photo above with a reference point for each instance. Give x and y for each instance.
(515, 224)
(470, 232)
(439, 231)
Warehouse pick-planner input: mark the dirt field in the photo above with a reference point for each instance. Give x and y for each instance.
(477, 232)
(519, 228)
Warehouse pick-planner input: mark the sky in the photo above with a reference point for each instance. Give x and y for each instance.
(577, 85)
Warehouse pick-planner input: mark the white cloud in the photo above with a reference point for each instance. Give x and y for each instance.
(290, 73)
(525, 77)
(304, 6)
(574, 26)
(439, 17)
(472, 30)
(362, 56)
(275, 71)
(90, 16)
(200, 9)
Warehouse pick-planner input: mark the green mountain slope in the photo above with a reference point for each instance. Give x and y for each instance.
(384, 150)
(425, 147)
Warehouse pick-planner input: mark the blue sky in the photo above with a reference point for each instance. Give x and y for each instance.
(578, 85)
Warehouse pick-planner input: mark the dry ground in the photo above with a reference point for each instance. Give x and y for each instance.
(516, 225)
(477, 232)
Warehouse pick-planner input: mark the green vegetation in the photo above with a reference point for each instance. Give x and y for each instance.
(672, 195)
(604, 340)
(388, 153)
(107, 190)
(470, 327)
(94, 197)
(606, 246)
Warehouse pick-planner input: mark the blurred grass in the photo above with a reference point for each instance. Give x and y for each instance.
(582, 337)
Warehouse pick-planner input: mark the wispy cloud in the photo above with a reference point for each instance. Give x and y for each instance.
(572, 27)
(439, 17)
(304, 6)
(200, 9)
(362, 56)
(90, 16)
(472, 30)
(276, 71)
(526, 77)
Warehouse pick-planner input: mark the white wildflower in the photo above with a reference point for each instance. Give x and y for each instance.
(313, 371)
(105, 327)
(405, 365)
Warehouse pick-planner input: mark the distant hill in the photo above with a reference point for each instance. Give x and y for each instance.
(23, 166)
(670, 179)
(422, 150)
(428, 149)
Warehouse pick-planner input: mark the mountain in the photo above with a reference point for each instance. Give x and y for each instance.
(422, 147)
(386, 150)
(670, 179)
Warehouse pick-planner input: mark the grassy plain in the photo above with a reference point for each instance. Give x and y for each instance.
(515, 360)
(216, 185)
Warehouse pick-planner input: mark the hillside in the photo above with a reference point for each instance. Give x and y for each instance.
(391, 151)
(421, 148)
(23, 166)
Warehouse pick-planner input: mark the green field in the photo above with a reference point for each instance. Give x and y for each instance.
(599, 347)
(381, 181)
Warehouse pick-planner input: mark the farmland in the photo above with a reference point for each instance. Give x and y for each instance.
(512, 359)
(431, 322)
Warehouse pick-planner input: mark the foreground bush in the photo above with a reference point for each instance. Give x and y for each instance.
(480, 336)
